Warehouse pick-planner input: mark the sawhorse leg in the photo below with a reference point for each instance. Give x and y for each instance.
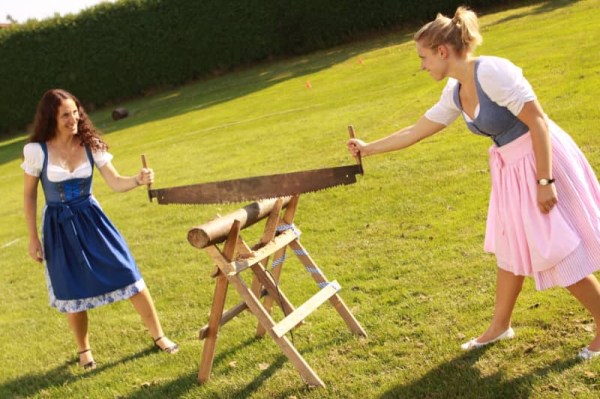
(216, 311)
(335, 300)
(278, 259)
(210, 343)
(307, 373)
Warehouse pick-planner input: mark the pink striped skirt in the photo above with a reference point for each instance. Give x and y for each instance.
(561, 247)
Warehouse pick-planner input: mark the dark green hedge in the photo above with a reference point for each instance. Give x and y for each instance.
(118, 50)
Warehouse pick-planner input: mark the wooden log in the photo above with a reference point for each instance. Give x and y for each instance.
(216, 231)
(119, 113)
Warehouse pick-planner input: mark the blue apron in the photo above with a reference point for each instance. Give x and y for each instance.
(86, 256)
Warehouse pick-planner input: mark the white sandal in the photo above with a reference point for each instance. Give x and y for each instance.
(587, 354)
(473, 344)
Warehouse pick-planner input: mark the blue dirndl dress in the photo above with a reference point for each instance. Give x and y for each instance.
(88, 263)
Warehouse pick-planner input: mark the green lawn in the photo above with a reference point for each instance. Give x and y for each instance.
(405, 242)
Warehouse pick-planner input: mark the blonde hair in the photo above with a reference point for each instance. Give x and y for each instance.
(461, 32)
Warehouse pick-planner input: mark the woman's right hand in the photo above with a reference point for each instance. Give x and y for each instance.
(145, 176)
(35, 250)
(357, 147)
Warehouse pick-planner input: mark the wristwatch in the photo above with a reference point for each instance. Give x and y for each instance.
(545, 182)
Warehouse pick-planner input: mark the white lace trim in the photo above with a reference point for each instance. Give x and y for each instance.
(79, 305)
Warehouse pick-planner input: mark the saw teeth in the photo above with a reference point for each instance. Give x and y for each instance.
(258, 187)
(226, 202)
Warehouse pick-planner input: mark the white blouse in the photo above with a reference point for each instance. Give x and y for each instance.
(500, 79)
(34, 161)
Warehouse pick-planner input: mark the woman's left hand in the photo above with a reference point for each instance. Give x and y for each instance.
(547, 198)
(145, 176)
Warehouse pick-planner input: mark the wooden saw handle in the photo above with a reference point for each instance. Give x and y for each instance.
(358, 157)
(145, 165)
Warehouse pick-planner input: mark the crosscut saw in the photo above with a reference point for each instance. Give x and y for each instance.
(259, 187)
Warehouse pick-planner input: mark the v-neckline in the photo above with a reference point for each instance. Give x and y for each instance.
(66, 169)
(460, 85)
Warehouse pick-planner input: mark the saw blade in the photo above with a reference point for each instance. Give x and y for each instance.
(258, 187)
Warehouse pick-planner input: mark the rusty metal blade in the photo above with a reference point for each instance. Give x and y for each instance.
(258, 187)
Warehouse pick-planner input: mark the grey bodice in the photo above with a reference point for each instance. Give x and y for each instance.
(493, 120)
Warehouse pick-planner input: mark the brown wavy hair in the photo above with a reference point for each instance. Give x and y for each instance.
(44, 127)
(461, 31)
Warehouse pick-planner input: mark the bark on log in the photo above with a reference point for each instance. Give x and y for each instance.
(216, 231)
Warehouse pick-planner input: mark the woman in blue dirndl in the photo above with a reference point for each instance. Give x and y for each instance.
(88, 263)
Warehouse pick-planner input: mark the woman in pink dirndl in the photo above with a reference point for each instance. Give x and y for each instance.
(544, 212)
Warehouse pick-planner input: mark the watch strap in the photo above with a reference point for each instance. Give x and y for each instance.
(545, 182)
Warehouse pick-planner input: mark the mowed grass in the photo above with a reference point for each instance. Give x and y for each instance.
(405, 242)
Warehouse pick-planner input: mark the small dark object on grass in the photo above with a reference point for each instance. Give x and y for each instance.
(119, 113)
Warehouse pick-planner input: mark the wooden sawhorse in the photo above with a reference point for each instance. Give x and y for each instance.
(236, 256)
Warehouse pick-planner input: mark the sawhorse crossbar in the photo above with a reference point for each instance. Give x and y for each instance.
(236, 256)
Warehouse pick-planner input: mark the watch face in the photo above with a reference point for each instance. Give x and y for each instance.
(543, 182)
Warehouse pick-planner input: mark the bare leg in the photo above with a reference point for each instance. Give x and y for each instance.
(508, 287)
(79, 325)
(587, 291)
(143, 304)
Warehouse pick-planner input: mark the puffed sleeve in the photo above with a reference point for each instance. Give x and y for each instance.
(504, 83)
(445, 111)
(101, 158)
(33, 159)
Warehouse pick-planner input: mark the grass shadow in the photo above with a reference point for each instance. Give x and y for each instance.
(184, 384)
(34, 384)
(173, 389)
(544, 7)
(459, 378)
(11, 150)
(261, 378)
(244, 80)
(181, 386)
(247, 79)
(212, 91)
